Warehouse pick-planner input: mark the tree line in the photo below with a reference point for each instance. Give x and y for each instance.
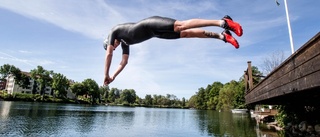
(88, 90)
(129, 97)
(218, 96)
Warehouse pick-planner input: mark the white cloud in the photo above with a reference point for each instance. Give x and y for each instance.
(15, 59)
(25, 51)
(90, 18)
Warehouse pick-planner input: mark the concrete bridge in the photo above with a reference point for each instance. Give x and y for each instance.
(296, 80)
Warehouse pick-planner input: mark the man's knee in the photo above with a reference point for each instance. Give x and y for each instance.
(179, 26)
(184, 34)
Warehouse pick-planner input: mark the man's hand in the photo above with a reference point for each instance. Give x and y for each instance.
(107, 80)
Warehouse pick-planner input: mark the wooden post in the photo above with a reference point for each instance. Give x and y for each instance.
(250, 75)
(246, 81)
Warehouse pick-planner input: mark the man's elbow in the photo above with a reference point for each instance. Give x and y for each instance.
(124, 63)
(109, 54)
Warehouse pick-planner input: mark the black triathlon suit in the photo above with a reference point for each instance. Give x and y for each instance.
(132, 33)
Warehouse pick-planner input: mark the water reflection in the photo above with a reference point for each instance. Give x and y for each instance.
(48, 119)
(216, 123)
(5, 109)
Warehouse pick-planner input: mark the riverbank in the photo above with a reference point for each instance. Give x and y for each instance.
(299, 129)
(303, 129)
(266, 119)
(147, 106)
(50, 99)
(34, 98)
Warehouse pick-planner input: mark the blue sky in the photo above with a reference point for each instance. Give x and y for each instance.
(66, 36)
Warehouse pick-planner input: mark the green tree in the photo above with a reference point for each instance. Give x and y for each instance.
(227, 94)
(78, 89)
(219, 96)
(183, 102)
(256, 75)
(207, 95)
(239, 96)
(42, 77)
(104, 91)
(20, 78)
(155, 100)
(117, 93)
(213, 95)
(192, 102)
(128, 96)
(138, 100)
(92, 89)
(7, 69)
(201, 99)
(174, 101)
(112, 96)
(161, 100)
(148, 100)
(60, 85)
(168, 100)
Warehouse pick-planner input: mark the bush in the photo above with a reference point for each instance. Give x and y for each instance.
(4, 95)
(22, 97)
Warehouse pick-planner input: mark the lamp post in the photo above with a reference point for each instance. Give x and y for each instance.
(289, 27)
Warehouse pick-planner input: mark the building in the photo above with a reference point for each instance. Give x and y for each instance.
(2, 84)
(13, 87)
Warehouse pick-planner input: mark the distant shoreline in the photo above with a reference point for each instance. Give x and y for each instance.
(50, 99)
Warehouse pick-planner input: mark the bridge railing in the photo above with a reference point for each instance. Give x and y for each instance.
(299, 72)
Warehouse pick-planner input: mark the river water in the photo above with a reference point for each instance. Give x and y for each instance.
(51, 119)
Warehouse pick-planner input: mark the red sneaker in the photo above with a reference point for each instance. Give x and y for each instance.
(228, 38)
(233, 26)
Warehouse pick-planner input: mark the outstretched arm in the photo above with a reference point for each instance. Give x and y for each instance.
(109, 54)
(123, 63)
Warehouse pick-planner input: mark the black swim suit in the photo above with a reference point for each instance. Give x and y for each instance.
(132, 33)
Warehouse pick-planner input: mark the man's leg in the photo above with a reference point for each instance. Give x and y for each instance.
(226, 22)
(200, 33)
(195, 23)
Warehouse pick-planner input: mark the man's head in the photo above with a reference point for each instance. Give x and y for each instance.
(105, 44)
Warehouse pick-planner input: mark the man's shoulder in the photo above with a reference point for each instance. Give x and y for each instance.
(122, 26)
